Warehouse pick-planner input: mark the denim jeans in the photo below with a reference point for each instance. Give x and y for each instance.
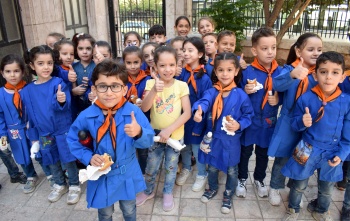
(324, 195)
(142, 155)
(29, 170)
(9, 162)
(277, 179)
(128, 207)
(260, 163)
(46, 169)
(154, 160)
(231, 179)
(346, 203)
(58, 174)
(186, 154)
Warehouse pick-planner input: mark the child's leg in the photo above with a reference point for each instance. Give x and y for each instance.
(128, 207)
(171, 162)
(142, 157)
(261, 163)
(246, 152)
(12, 168)
(73, 177)
(213, 175)
(231, 180)
(186, 155)
(324, 195)
(29, 170)
(345, 214)
(155, 157)
(277, 180)
(295, 194)
(32, 178)
(57, 174)
(202, 171)
(106, 213)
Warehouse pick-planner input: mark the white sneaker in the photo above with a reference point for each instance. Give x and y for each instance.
(30, 186)
(262, 189)
(199, 184)
(274, 197)
(241, 190)
(57, 192)
(181, 179)
(290, 215)
(73, 195)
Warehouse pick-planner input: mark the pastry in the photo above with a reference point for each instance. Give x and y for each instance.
(229, 118)
(107, 162)
(252, 81)
(133, 99)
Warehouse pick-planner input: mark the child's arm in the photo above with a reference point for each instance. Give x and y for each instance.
(203, 105)
(245, 120)
(302, 117)
(344, 143)
(150, 94)
(3, 127)
(62, 99)
(283, 81)
(242, 62)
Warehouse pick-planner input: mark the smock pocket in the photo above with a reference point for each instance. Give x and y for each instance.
(302, 152)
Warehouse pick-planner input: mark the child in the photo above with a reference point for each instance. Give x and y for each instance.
(132, 38)
(211, 47)
(157, 33)
(325, 106)
(224, 100)
(47, 103)
(131, 129)
(168, 100)
(102, 50)
(206, 25)
(148, 55)
(52, 38)
(265, 103)
(182, 27)
(295, 79)
(177, 44)
(198, 82)
(64, 58)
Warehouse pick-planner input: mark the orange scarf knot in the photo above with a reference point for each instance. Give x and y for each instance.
(133, 90)
(16, 96)
(191, 78)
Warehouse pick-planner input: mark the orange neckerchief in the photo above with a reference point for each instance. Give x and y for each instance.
(64, 67)
(133, 89)
(303, 84)
(191, 78)
(109, 123)
(268, 81)
(16, 96)
(148, 71)
(317, 90)
(219, 103)
(212, 61)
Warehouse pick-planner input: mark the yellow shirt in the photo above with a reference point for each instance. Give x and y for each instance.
(166, 107)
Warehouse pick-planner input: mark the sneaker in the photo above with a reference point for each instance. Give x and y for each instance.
(73, 195)
(341, 185)
(19, 178)
(274, 197)
(30, 185)
(241, 190)
(168, 202)
(50, 180)
(290, 215)
(181, 179)
(142, 197)
(262, 189)
(326, 216)
(345, 214)
(312, 205)
(226, 203)
(199, 184)
(57, 192)
(208, 195)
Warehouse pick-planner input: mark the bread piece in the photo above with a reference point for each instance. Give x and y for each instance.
(133, 99)
(107, 162)
(252, 81)
(229, 118)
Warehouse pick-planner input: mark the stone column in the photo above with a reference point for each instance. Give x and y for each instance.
(97, 14)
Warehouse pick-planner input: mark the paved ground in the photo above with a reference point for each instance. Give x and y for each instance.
(15, 205)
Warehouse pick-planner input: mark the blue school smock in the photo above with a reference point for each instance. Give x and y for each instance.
(50, 120)
(144, 66)
(140, 86)
(345, 85)
(209, 67)
(330, 137)
(264, 121)
(225, 149)
(284, 138)
(204, 83)
(14, 127)
(125, 179)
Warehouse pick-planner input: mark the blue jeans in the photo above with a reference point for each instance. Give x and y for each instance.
(154, 160)
(186, 154)
(29, 170)
(128, 207)
(46, 169)
(324, 195)
(142, 155)
(346, 203)
(58, 174)
(260, 163)
(231, 179)
(277, 179)
(9, 162)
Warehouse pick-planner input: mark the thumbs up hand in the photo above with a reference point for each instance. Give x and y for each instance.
(273, 99)
(307, 119)
(198, 115)
(299, 71)
(133, 129)
(242, 62)
(61, 96)
(72, 76)
(159, 84)
(98, 56)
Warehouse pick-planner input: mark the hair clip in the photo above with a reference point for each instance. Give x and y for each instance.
(80, 34)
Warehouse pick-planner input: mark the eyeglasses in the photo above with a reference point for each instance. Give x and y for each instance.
(102, 88)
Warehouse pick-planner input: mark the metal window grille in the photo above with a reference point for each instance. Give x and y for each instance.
(75, 17)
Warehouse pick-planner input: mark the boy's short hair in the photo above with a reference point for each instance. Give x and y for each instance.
(177, 38)
(56, 35)
(156, 30)
(224, 33)
(262, 32)
(108, 67)
(331, 56)
(210, 34)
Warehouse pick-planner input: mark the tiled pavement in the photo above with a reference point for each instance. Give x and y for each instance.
(15, 205)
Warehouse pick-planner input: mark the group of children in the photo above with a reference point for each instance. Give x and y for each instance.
(180, 88)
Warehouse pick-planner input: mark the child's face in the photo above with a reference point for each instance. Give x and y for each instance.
(177, 45)
(310, 52)
(67, 54)
(132, 41)
(132, 63)
(158, 39)
(265, 50)
(84, 50)
(166, 66)
(111, 97)
(12, 73)
(227, 44)
(182, 28)
(191, 55)
(329, 75)
(148, 55)
(226, 72)
(205, 27)
(210, 45)
(43, 66)
(103, 50)
(50, 41)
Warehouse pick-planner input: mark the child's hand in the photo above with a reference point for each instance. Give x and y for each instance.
(249, 88)
(92, 96)
(85, 81)
(79, 90)
(61, 96)
(232, 126)
(179, 67)
(198, 115)
(72, 76)
(335, 162)
(138, 102)
(242, 62)
(133, 129)
(98, 56)
(164, 135)
(96, 160)
(307, 119)
(273, 99)
(159, 85)
(299, 71)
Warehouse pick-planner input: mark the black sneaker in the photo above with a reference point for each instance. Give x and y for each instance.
(341, 185)
(226, 203)
(208, 195)
(19, 178)
(345, 214)
(312, 205)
